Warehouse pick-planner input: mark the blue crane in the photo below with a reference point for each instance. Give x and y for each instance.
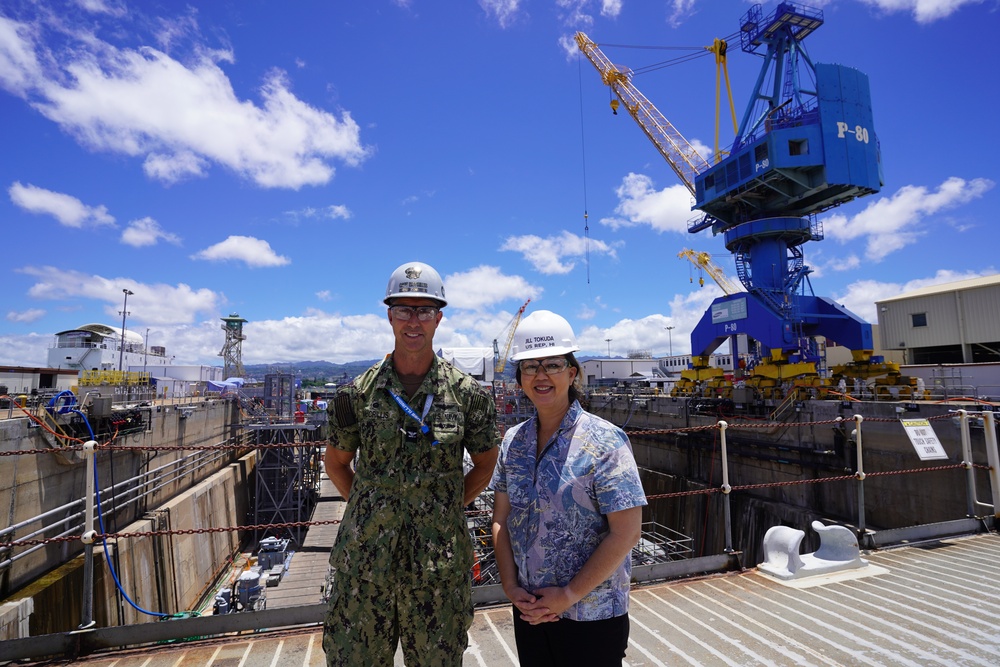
(806, 143)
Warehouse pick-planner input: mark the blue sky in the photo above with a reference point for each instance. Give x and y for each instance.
(279, 160)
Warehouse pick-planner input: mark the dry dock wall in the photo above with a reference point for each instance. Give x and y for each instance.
(900, 490)
(161, 573)
(55, 481)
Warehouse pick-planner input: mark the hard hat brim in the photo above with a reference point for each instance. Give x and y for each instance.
(544, 352)
(414, 295)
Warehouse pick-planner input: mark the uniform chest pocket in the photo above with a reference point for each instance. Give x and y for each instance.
(448, 425)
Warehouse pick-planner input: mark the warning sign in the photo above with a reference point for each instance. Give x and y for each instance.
(924, 440)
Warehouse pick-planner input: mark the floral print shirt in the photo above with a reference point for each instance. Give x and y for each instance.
(559, 503)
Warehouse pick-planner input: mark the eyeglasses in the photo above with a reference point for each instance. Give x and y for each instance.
(404, 313)
(550, 366)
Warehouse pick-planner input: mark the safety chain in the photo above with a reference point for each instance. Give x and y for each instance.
(163, 448)
(766, 425)
(633, 431)
(841, 478)
(159, 533)
(7, 545)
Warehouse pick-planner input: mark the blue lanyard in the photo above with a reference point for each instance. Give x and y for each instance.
(410, 412)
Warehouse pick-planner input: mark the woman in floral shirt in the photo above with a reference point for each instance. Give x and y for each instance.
(567, 511)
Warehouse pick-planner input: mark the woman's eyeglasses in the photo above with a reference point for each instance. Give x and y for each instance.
(404, 313)
(550, 366)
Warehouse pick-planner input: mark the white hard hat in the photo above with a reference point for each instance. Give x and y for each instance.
(543, 334)
(415, 280)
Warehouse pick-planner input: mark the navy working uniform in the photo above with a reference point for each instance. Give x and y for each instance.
(403, 554)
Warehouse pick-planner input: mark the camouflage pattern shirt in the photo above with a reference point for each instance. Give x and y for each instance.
(558, 503)
(409, 485)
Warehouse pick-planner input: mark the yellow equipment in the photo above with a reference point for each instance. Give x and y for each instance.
(704, 263)
(678, 152)
(500, 360)
(719, 48)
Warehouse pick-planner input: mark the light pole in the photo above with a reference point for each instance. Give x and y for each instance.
(608, 341)
(145, 351)
(670, 337)
(124, 314)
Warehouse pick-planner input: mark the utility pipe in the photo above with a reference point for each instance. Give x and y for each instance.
(89, 535)
(726, 489)
(860, 476)
(989, 428)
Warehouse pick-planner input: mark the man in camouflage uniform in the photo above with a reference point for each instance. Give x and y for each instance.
(403, 554)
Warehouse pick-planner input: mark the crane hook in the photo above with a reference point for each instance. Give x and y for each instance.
(614, 107)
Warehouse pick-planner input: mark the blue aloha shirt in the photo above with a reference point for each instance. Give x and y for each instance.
(558, 505)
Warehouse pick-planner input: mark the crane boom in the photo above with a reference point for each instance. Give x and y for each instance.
(678, 152)
(704, 262)
(500, 360)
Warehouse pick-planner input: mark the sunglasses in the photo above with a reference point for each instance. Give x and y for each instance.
(405, 313)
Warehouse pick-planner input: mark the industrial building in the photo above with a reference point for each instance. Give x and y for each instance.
(952, 323)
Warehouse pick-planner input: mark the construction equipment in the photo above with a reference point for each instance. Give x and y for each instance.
(676, 150)
(806, 143)
(507, 334)
(704, 263)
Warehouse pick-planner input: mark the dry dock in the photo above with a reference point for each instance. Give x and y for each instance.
(931, 604)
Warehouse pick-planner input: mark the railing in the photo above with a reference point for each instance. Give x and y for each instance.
(661, 553)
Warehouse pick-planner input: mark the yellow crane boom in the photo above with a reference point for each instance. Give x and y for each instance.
(500, 360)
(678, 152)
(704, 262)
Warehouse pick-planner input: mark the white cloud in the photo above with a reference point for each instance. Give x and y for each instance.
(576, 14)
(318, 335)
(680, 10)
(611, 8)
(860, 296)
(648, 334)
(174, 167)
(890, 223)
(924, 11)
(485, 286)
(252, 251)
(148, 303)
(667, 210)
(547, 254)
(25, 316)
(19, 65)
(25, 350)
(505, 12)
(102, 7)
(68, 210)
(178, 116)
(146, 232)
(324, 295)
(337, 211)
(333, 212)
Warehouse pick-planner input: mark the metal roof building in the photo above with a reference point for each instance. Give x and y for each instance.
(956, 322)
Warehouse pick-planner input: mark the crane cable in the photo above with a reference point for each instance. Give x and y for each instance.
(695, 52)
(583, 154)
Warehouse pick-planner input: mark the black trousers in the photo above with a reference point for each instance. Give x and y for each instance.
(566, 643)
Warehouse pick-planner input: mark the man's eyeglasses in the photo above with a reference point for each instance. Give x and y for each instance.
(404, 313)
(550, 366)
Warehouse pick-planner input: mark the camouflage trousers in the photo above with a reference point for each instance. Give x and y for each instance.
(366, 619)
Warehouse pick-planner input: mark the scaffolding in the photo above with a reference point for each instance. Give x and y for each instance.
(288, 460)
(287, 478)
(279, 395)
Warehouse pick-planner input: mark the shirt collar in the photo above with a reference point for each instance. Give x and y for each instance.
(386, 375)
